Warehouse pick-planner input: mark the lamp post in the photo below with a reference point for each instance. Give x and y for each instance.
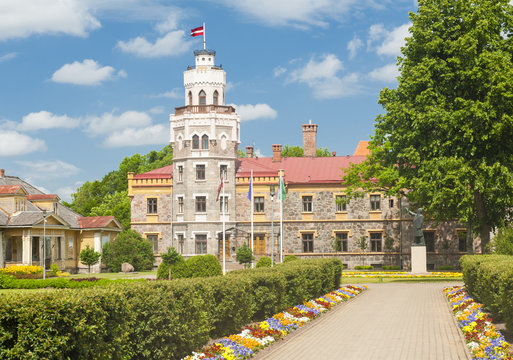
(272, 224)
(44, 244)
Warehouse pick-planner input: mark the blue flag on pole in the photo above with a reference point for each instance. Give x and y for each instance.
(250, 191)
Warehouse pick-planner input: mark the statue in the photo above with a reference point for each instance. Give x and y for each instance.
(418, 220)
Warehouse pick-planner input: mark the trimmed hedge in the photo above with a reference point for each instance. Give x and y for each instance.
(153, 319)
(10, 282)
(196, 266)
(489, 280)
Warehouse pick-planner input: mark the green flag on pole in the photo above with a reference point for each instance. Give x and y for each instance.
(282, 193)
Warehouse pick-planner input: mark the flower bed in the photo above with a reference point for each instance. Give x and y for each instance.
(400, 274)
(483, 339)
(258, 335)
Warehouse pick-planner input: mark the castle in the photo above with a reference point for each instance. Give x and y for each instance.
(181, 205)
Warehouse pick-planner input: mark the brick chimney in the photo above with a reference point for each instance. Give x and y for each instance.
(276, 152)
(2, 173)
(333, 153)
(309, 139)
(249, 151)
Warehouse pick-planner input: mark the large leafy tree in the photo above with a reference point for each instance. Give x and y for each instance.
(297, 151)
(446, 136)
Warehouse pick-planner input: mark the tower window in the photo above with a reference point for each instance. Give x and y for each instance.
(202, 98)
(200, 172)
(201, 204)
(190, 98)
(204, 142)
(375, 202)
(307, 203)
(308, 243)
(195, 142)
(216, 98)
(152, 205)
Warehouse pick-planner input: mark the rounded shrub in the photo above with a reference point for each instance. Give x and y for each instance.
(129, 246)
(364, 267)
(204, 266)
(264, 261)
(289, 258)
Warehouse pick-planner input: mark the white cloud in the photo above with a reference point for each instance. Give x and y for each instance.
(88, 72)
(171, 44)
(13, 143)
(48, 169)
(255, 112)
(298, 13)
(7, 57)
(170, 23)
(152, 135)
(109, 122)
(172, 94)
(387, 73)
(66, 191)
(19, 19)
(353, 46)
(47, 120)
(157, 110)
(322, 77)
(391, 41)
(279, 70)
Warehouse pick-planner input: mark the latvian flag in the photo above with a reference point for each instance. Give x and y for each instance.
(197, 31)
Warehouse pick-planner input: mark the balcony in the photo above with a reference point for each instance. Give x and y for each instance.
(204, 109)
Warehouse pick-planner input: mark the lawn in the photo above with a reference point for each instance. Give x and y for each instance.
(116, 276)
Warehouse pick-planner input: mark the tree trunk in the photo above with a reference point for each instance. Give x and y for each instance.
(482, 216)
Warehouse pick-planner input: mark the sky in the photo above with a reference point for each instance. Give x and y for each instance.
(84, 83)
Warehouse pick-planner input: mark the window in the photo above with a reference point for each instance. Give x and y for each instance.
(202, 98)
(70, 247)
(190, 98)
(180, 242)
(195, 142)
(201, 244)
(307, 203)
(259, 204)
(152, 205)
(35, 248)
(204, 142)
(223, 204)
(391, 203)
(308, 243)
(200, 172)
(180, 173)
(216, 98)
(180, 205)
(154, 240)
(341, 203)
(223, 171)
(429, 239)
(375, 240)
(341, 238)
(58, 243)
(375, 201)
(8, 249)
(462, 240)
(201, 204)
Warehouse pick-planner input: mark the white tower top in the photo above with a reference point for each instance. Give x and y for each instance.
(205, 83)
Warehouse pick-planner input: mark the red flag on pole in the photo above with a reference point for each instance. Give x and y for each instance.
(220, 188)
(197, 31)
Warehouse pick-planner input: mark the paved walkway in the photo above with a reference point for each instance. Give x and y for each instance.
(409, 321)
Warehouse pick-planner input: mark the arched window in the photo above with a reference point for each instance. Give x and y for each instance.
(195, 142)
(190, 97)
(202, 98)
(216, 98)
(204, 142)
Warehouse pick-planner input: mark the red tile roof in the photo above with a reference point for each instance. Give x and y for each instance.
(94, 221)
(301, 170)
(165, 172)
(9, 189)
(42, 197)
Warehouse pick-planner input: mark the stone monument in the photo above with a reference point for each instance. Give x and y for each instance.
(418, 248)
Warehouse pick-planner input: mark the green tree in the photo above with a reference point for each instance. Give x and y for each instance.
(446, 136)
(170, 258)
(297, 151)
(89, 257)
(241, 154)
(502, 243)
(244, 255)
(129, 246)
(117, 204)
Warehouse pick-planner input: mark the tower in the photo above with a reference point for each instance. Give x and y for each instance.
(205, 136)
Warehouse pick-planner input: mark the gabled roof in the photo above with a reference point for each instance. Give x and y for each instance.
(301, 170)
(11, 189)
(165, 172)
(95, 222)
(362, 149)
(43, 197)
(30, 218)
(14, 180)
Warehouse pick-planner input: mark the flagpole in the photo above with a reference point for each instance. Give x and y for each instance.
(281, 186)
(252, 209)
(204, 37)
(223, 204)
